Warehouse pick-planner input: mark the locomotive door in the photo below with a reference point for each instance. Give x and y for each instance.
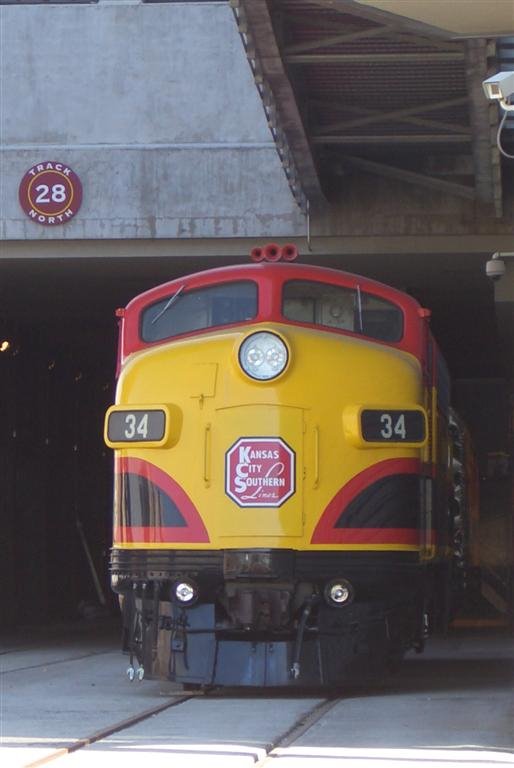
(259, 464)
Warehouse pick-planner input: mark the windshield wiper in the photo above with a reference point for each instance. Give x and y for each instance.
(359, 308)
(168, 304)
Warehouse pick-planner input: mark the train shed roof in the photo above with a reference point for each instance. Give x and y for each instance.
(348, 86)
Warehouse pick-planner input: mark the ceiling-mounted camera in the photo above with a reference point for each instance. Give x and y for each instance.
(495, 266)
(500, 87)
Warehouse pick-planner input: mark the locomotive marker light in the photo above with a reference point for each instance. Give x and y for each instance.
(50, 193)
(338, 592)
(185, 592)
(263, 356)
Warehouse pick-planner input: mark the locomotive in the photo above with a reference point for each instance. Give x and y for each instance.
(282, 483)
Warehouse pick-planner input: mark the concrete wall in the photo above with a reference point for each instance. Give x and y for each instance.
(154, 107)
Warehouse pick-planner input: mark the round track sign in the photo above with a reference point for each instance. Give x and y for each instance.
(260, 472)
(50, 193)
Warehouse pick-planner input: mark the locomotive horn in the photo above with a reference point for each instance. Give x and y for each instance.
(257, 254)
(289, 252)
(272, 252)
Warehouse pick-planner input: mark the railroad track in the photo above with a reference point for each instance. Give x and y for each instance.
(78, 705)
(299, 727)
(49, 681)
(108, 731)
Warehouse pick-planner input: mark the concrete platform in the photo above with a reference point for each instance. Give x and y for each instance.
(453, 706)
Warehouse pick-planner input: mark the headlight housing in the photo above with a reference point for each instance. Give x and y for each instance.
(263, 356)
(339, 592)
(185, 592)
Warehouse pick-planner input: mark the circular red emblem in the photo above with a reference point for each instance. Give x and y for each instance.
(260, 472)
(50, 193)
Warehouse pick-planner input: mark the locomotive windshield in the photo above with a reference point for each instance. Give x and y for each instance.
(345, 309)
(185, 311)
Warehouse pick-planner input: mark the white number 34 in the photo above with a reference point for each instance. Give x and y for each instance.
(134, 427)
(391, 429)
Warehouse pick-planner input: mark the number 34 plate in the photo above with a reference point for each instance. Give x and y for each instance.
(138, 425)
(393, 426)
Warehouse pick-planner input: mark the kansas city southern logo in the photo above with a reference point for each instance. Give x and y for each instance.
(50, 193)
(260, 472)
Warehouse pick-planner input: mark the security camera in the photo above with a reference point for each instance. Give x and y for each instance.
(500, 87)
(495, 268)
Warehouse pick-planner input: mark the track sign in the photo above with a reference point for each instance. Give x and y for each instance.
(50, 193)
(260, 472)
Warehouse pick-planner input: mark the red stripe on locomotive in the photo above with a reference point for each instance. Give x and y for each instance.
(327, 532)
(193, 532)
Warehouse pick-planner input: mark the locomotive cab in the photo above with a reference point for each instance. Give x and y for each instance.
(279, 502)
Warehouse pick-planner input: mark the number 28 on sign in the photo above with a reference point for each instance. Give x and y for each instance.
(50, 193)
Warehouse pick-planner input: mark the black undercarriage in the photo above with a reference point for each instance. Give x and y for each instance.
(269, 617)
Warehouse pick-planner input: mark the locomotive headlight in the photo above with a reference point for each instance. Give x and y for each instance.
(338, 592)
(263, 355)
(185, 592)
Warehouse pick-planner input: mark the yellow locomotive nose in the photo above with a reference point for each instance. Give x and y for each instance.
(245, 425)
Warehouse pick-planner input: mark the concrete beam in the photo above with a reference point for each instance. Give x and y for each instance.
(219, 249)
(283, 114)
